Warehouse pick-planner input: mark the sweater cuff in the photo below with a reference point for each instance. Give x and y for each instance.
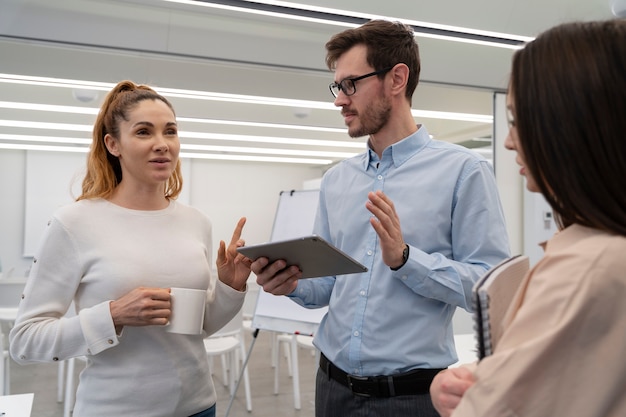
(98, 329)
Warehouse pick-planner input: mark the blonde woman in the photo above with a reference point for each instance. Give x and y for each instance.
(115, 253)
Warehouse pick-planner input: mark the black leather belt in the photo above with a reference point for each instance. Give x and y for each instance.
(414, 382)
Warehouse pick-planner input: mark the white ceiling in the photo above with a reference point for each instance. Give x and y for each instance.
(208, 50)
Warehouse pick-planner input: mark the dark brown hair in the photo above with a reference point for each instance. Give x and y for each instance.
(388, 43)
(569, 94)
(104, 172)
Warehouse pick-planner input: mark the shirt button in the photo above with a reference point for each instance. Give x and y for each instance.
(110, 342)
(55, 359)
(356, 333)
(380, 177)
(369, 252)
(22, 357)
(404, 277)
(362, 293)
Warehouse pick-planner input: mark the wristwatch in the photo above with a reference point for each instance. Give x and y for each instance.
(405, 257)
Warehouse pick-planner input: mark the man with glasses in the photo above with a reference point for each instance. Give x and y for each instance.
(424, 216)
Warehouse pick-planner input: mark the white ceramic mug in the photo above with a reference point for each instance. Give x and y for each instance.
(187, 311)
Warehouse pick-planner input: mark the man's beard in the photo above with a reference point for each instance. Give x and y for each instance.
(372, 119)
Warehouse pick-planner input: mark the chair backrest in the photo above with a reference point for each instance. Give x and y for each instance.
(11, 290)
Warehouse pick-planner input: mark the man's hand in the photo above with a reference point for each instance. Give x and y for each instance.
(448, 388)
(276, 278)
(386, 223)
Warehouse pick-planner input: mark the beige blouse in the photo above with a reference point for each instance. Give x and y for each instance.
(563, 351)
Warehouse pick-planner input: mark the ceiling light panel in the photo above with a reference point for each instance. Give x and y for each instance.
(288, 127)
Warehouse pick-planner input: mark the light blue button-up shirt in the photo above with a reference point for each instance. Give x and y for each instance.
(383, 322)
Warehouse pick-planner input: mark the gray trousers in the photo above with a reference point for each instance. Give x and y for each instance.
(335, 400)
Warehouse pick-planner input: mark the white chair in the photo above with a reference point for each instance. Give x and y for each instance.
(306, 342)
(70, 385)
(280, 340)
(228, 343)
(8, 273)
(5, 368)
(293, 342)
(11, 290)
(66, 384)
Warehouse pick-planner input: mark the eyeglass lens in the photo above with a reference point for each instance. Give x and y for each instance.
(348, 85)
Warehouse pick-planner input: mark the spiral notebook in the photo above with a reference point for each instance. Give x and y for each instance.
(492, 296)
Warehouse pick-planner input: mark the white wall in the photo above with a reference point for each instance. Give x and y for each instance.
(509, 181)
(225, 191)
(13, 185)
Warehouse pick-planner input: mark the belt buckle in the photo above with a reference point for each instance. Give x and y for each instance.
(354, 383)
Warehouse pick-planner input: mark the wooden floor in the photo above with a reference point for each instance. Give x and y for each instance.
(41, 379)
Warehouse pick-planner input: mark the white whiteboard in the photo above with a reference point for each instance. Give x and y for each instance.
(295, 216)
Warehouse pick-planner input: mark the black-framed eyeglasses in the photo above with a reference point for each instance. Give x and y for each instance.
(348, 85)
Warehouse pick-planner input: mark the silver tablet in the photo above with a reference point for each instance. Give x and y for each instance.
(313, 255)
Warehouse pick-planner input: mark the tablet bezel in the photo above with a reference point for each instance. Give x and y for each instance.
(312, 254)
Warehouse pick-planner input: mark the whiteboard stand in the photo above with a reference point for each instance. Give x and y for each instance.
(295, 216)
(243, 368)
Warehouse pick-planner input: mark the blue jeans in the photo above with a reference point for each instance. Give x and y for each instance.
(209, 412)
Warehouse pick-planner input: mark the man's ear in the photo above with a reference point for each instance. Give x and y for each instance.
(111, 144)
(399, 77)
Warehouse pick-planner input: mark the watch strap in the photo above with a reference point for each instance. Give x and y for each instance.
(405, 257)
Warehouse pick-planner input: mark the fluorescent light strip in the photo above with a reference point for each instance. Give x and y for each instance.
(94, 111)
(236, 149)
(257, 158)
(236, 98)
(60, 141)
(365, 16)
(48, 107)
(194, 135)
(467, 117)
(47, 148)
(271, 139)
(261, 125)
(46, 139)
(244, 99)
(44, 125)
(262, 12)
(31, 147)
(54, 82)
(350, 19)
(168, 92)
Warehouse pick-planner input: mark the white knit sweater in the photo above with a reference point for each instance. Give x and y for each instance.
(93, 252)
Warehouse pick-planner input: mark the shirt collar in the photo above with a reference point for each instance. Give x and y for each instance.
(402, 150)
